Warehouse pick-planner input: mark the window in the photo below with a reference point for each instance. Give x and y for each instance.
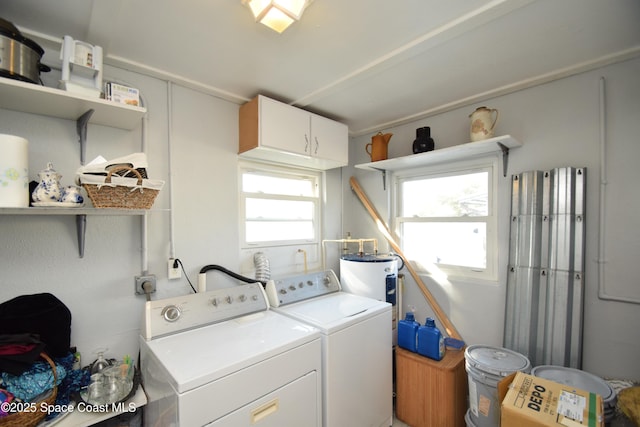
(447, 219)
(278, 206)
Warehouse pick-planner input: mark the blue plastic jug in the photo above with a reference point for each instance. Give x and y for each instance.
(408, 333)
(430, 340)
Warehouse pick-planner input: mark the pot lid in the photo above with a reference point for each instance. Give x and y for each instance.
(496, 360)
(575, 378)
(6, 26)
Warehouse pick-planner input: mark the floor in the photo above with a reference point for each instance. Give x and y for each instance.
(619, 420)
(398, 423)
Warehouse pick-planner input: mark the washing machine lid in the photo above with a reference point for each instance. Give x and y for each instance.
(199, 356)
(336, 311)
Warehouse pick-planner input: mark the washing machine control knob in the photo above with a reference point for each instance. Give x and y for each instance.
(292, 288)
(215, 302)
(171, 313)
(326, 281)
(242, 298)
(229, 299)
(283, 291)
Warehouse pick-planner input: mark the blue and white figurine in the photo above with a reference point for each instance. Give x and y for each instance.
(71, 194)
(48, 190)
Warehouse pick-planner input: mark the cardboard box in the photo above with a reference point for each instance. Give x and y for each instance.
(529, 401)
(122, 94)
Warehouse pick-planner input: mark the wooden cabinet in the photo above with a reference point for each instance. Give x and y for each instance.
(431, 393)
(274, 131)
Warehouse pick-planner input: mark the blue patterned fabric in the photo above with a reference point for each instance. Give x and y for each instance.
(39, 379)
(33, 382)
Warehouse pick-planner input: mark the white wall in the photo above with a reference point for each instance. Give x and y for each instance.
(558, 123)
(40, 254)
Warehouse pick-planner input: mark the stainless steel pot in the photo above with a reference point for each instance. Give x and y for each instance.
(19, 56)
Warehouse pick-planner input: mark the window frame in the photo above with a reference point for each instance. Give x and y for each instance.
(286, 172)
(490, 272)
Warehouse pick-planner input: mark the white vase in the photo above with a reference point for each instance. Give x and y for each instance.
(14, 171)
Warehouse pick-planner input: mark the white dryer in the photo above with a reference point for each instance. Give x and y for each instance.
(356, 346)
(222, 358)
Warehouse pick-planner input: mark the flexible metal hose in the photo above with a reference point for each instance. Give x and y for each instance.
(263, 268)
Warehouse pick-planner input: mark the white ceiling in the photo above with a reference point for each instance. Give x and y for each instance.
(371, 64)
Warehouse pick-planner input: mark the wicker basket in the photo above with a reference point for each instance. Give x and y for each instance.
(126, 193)
(29, 419)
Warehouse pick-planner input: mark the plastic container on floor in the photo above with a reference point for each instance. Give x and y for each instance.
(408, 333)
(486, 367)
(430, 340)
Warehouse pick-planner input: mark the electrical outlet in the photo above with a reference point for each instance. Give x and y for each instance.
(140, 283)
(173, 272)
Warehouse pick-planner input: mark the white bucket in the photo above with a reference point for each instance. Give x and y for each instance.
(14, 172)
(467, 419)
(486, 367)
(582, 380)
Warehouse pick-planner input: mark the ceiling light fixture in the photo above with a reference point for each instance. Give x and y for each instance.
(277, 14)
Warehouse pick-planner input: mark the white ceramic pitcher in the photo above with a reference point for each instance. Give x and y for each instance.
(483, 122)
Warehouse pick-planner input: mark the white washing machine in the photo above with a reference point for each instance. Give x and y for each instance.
(222, 358)
(356, 346)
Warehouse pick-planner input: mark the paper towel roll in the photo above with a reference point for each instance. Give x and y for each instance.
(14, 172)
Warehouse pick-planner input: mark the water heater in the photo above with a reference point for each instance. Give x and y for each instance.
(373, 276)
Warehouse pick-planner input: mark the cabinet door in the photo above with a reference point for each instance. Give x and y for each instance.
(284, 127)
(329, 140)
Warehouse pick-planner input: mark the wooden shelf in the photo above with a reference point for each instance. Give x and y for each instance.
(32, 98)
(444, 155)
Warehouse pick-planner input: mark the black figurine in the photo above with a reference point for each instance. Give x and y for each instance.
(423, 141)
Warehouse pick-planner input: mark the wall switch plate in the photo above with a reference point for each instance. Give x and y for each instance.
(173, 272)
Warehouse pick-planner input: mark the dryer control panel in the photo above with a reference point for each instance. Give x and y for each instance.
(171, 315)
(298, 288)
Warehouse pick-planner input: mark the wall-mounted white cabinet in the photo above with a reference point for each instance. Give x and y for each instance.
(273, 131)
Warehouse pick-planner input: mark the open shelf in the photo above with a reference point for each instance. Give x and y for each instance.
(80, 418)
(443, 155)
(71, 211)
(32, 98)
(80, 214)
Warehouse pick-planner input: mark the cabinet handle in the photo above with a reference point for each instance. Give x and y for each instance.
(306, 143)
(317, 145)
(264, 411)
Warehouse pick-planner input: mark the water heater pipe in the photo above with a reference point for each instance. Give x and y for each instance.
(440, 314)
(360, 243)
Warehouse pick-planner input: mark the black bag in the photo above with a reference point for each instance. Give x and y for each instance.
(41, 314)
